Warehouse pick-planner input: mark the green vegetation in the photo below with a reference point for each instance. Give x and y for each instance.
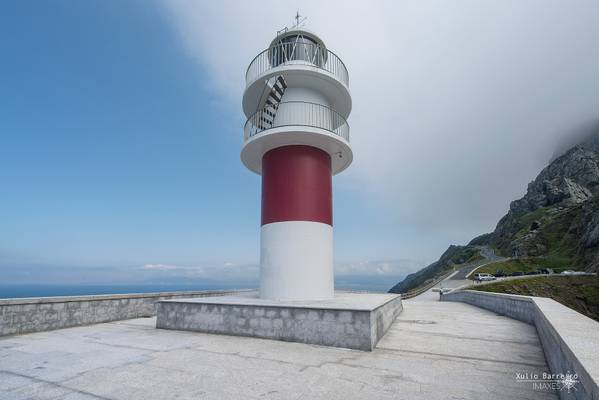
(481, 240)
(560, 239)
(498, 251)
(421, 278)
(454, 257)
(474, 257)
(526, 265)
(581, 293)
(550, 232)
(525, 221)
(554, 226)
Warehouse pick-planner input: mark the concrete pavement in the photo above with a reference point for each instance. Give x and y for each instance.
(434, 350)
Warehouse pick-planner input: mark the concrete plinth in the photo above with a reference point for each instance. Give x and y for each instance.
(350, 320)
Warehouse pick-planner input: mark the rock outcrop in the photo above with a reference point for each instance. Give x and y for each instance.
(571, 179)
(557, 220)
(559, 215)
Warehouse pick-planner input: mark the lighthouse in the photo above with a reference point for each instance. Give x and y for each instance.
(296, 137)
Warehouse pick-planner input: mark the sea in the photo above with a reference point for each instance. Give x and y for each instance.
(46, 290)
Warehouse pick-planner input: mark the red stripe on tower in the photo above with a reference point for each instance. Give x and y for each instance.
(297, 185)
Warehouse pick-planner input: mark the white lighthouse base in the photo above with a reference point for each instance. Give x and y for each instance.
(350, 320)
(296, 261)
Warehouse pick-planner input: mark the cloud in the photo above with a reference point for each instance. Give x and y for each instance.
(457, 105)
(233, 271)
(224, 272)
(393, 268)
(161, 267)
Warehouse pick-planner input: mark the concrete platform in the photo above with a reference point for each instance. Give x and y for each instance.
(433, 351)
(350, 320)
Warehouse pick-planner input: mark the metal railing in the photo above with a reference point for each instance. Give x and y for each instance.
(297, 53)
(419, 290)
(297, 113)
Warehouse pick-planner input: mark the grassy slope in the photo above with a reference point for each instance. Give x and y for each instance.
(555, 234)
(454, 256)
(580, 293)
(560, 240)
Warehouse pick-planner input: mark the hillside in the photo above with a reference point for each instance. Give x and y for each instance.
(557, 221)
(555, 224)
(580, 293)
(454, 255)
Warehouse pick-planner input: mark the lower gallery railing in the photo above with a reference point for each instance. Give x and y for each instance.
(297, 113)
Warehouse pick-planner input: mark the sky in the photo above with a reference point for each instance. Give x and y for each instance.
(121, 126)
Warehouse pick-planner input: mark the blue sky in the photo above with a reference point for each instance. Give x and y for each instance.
(121, 125)
(116, 149)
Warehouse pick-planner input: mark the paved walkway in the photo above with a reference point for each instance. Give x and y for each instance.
(433, 351)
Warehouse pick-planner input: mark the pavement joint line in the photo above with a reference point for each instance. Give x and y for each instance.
(195, 334)
(138, 327)
(83, 373)
(238, 354)
(125, 346)
(449, 335)
(364, 384)
(340, 361)
(124, 322)
(394, 373)
(463, 357)
(57, 384)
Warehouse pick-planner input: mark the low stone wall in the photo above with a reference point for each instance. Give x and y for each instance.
(322, 323)
(570, 340)
(382, 318)
(48, 313)
(521, 308)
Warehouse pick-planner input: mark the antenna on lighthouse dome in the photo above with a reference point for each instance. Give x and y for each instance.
(300, 21)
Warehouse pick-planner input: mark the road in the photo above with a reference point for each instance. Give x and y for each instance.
(458, 278)
(489, 257)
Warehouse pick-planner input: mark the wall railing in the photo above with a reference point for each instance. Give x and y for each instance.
(284, 54)
(297, 113)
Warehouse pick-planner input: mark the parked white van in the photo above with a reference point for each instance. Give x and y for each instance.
(484, 277)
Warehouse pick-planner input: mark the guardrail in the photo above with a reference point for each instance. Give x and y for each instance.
(285, 54)
(418, 291)
(498, 260)
(297, 113)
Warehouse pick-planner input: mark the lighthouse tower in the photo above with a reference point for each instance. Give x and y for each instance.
(296, 137)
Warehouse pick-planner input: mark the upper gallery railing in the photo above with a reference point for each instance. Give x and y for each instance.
(297, 113)
(309, 54)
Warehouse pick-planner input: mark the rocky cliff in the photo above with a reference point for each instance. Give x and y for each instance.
(569, 180)
(558, 218)
(556, 222)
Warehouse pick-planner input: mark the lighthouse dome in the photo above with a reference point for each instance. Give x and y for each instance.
(297, 45)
